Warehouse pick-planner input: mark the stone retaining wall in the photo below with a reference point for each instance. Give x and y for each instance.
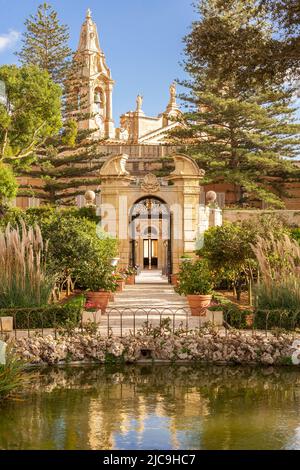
(209, 346)
(291, 217)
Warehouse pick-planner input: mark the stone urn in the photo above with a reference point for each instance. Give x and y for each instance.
(100, 299)
(114, 262)
(198, 304)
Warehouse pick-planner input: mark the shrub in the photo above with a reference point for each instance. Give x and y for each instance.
(11, 376)
(228, 249)
(194, 278)
(269, 319)
(95, 277)
(277, 294)
(8, 183)
(232, 313)
(47, 317)
(75, 243)
(295, 234)
(23, 278)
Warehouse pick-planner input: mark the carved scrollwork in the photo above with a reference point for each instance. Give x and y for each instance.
(150, 184)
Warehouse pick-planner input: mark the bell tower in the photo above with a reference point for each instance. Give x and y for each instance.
(95, 87)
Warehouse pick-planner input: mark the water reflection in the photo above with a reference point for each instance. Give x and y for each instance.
(159, 407)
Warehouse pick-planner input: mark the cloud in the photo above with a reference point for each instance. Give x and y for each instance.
(8, 40)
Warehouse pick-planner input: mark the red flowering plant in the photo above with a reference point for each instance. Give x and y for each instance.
(91, 306)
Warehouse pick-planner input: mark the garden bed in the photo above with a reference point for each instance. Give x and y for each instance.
(51, 316)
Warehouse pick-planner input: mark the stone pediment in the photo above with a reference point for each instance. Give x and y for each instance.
(186, 167)
(115, 166)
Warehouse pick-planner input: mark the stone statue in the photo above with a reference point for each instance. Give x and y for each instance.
(115, 166)
(173, 91)
(139, 102)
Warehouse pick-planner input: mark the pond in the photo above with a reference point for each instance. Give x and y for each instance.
(154, 407)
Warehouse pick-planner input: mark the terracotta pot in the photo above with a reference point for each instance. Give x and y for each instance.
(198, 304)
(174, 279)
(130, 280)
(120, 286)
(100, 299)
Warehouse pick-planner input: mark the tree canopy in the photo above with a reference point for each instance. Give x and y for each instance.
(45, 43)
(8, 184)
(65, 167)
(245, 142)
(240, 120)
(252, 43)
(32, 112)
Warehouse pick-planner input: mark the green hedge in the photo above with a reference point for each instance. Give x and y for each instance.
(287, 320)
(232, 314)
(45, 317)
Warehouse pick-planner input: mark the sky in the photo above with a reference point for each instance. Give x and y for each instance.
(142, 41)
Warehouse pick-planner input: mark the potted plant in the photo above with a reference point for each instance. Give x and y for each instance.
(120, 281)
(99, 283)
(196, 283)
(130, 273)
(90, 313)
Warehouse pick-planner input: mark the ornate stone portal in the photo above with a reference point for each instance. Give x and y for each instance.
(164, 211)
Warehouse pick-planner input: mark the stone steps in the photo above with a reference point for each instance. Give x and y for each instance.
(151, 301)
(148, 295)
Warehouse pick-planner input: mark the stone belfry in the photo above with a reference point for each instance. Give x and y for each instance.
(95, 84)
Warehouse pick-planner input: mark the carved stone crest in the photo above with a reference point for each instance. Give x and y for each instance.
(150, 184)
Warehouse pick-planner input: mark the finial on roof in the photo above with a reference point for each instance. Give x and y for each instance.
(139, 102)
(88, 13)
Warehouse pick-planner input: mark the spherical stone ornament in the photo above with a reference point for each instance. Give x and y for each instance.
(211, 197)
(90, 197)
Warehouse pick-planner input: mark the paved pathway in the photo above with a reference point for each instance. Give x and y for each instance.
(151, 277)
(151, 289)
(150, 300)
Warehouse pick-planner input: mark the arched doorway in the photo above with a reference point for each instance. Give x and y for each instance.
(150, 232)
